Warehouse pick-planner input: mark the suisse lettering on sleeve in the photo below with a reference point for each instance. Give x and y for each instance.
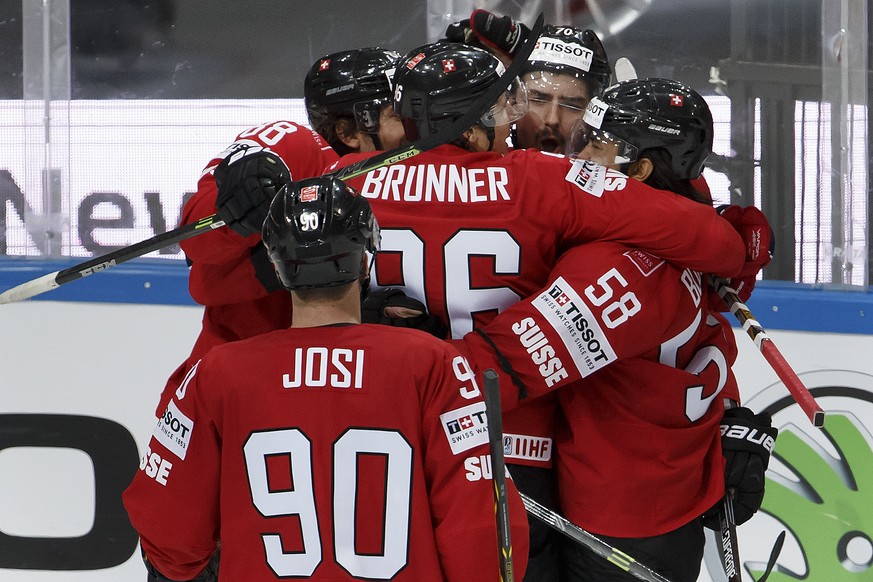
(578, 328)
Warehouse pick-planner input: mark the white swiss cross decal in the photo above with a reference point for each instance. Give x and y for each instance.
(324, 65)
(676, 100)
(448, 65)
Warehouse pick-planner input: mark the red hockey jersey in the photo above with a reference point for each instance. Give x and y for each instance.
(224, 277)
(641, 370)
(469, 234)
(324, 453)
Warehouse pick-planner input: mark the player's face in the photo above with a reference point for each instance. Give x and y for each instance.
(603, 153)
(501, 139)
(390, 128)
(555, 102)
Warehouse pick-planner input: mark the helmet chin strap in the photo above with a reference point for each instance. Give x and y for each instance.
(489, 131)
(513, 136)
(377, 143)
(366, 268)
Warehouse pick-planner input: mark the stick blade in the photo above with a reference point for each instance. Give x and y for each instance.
(624, 70)
(30, 288)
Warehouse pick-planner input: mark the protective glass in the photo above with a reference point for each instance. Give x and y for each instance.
(510, 107)
(590, 143)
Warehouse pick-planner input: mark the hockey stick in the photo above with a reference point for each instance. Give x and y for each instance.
(728, 549)
(771, 353)
(449, 133)
(498, 473)
(590, 541)
(624, 70)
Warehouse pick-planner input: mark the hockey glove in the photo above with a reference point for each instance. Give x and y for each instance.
(747, 441)
(759, 241)
(209, 573)
(757, 235)
(396, 308)
(248, 179)
(486, 30)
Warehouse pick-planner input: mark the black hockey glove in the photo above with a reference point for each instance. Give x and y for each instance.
(396, 308)
(747, 441)
(248, 179)
(487, 30)
(209, 573)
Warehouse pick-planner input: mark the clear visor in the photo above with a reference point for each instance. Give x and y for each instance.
(368, 113)
(569, 91)
(510, 107)
(589, 143)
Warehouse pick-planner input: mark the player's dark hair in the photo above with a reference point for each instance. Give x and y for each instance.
(663, 176)
(328, 130)
(352, 84)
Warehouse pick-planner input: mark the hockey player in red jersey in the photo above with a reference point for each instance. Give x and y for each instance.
(567, 67)
(230, 273)
(348, 96)
(640, 364)
(469, 232)
(319, 452)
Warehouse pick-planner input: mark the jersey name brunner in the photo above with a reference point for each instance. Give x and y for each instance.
(437, 183)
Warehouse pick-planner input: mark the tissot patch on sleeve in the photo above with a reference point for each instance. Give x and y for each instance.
(465, 427)
(588, 176)
(577, 326)
(174, 430)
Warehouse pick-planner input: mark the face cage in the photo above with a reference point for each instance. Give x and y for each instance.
(583, 134)
(509, 107)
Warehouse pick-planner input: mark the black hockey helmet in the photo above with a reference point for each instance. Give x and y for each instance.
(317, 232)
(573, 51)
(642, 114)
(354, 83)
(438, 82)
